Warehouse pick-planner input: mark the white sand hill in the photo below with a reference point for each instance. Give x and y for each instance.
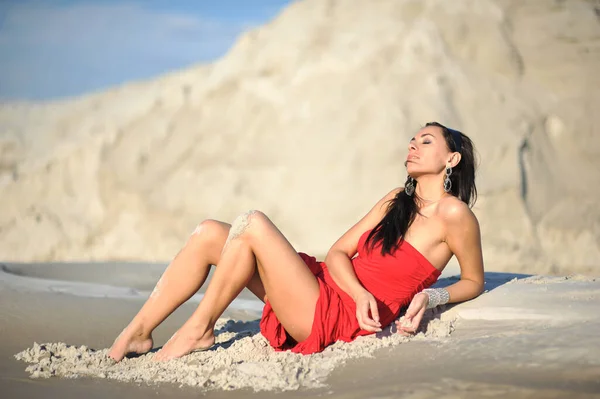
(308, 118)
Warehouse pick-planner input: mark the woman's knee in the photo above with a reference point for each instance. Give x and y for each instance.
(210, 231)
(208, 240)
(248, 224)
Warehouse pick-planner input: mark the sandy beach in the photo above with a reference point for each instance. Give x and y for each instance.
(307, 118)
(526, 336)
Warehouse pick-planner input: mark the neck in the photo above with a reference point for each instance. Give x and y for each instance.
(430, 189)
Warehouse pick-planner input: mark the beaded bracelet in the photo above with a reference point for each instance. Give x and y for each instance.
(437, 296)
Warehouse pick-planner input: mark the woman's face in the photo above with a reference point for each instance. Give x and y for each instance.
(428, 152)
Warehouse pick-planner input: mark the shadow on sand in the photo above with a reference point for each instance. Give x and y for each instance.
(493, 280)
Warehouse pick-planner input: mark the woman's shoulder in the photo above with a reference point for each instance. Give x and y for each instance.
(395, 191)
(390, 195)
(454, 210)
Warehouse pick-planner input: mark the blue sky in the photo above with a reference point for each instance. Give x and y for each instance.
(58, 48)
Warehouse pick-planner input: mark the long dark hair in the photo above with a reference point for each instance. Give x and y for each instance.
(402, 210)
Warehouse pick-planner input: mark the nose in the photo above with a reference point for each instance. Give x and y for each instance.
(412, 146)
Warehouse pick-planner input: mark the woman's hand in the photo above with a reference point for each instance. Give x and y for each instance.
(365, 303)
(410, 323)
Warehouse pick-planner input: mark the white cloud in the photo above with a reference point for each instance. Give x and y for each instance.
(91, 45)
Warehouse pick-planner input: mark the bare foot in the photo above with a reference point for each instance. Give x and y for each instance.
(131, 340)
(184, 341)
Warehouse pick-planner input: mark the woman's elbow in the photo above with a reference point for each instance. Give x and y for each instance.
(332, 254)
(479, 288)
(472, 289)
(329, 256)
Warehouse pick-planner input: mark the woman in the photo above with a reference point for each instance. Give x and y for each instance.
(403, 244)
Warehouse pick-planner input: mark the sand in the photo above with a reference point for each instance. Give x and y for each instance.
(322, 120)
(307, 119)
(242, 358)
(526, 336)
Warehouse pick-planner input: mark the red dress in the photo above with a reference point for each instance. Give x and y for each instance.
(393, 281)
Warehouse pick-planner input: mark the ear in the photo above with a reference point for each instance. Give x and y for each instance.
(454, 159)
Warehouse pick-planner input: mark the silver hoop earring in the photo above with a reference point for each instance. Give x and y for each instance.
(409, 187)
(447, 182)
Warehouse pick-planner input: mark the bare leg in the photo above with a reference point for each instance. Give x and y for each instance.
(183, 278)
(292, 289)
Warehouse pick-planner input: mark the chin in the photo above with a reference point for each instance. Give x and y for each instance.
(416, 170)
(412, 170)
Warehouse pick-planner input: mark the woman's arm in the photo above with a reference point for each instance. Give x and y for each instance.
(342, 272)
(464, 240)
(343, 250)
(339, 264)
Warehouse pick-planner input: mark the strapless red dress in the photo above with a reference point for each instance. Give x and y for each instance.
(393, 281)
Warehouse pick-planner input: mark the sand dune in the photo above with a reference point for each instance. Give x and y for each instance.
(307, 118)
